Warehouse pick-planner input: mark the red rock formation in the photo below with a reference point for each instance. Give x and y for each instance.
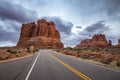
(118, 42)
(109, 43)
(40, 35)
(85, 43)
(98, 40)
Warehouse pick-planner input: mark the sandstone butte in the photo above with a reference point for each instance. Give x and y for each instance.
(98, 40)
(40, 35)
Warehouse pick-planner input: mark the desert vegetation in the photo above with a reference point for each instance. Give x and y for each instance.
(10, 53)
(107, 56)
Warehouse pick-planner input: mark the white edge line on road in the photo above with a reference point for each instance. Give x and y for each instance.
(32, 67)
(100, 66)
(91, 63)
(104, 67)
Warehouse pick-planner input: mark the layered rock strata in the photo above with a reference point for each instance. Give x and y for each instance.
(98, 40)
(40, 35)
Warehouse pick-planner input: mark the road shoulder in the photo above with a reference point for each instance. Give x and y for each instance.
(17, 58)
(116, 69)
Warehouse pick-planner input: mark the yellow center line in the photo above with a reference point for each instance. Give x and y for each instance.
(71, 68)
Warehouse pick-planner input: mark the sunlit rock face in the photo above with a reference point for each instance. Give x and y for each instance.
(98, 40)
(40, 35)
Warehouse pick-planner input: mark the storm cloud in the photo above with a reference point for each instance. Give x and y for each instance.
(9, 31)
(16, 12)
(112, 7)
(98, 27)
(63, 26)
(11, 18)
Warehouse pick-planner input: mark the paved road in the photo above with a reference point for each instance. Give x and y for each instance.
(47, 65)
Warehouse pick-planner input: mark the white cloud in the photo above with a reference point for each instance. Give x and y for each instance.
(7, 44)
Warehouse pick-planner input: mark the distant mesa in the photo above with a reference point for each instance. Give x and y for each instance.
(98, 40)
(40, 35)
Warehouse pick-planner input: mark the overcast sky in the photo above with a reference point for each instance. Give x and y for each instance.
(75, 19)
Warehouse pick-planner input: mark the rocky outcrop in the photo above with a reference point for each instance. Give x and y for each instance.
(85, 43)
(109, 43)
(40, 35)
(118, 42)
(98, 40)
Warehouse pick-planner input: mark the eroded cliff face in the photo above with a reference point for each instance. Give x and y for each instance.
(85, 43)
(98, 40)
(40, 35)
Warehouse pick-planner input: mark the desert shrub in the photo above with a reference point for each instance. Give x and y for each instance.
(118, 63)
(8, 50)
(106, 58)
(78, 55)
(97, 60)
(12, 51)
(4, 58)
(69, 48)
(106, 61)
(28, 50)
(18, 55)
(107, 50)
(57, 50)
(79, 52)
(19, 51)
(97, 49)
(85, 56)
(35, 50)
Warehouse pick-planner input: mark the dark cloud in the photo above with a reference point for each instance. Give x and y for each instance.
(96, 28)
(90, 8)
(11, 11)
(78, 26)
(62, 26)
(112, 7)
(11, 17)
(9, 31)
(8, 36)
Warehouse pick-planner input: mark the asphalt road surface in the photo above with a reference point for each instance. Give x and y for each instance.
(48, 65)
